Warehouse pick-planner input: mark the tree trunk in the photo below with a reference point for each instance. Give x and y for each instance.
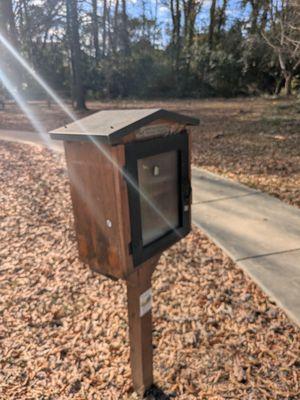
(278, 86)
(176, 21)
(115, 29)
(76, 56)
(27, 32)
(155, 33)
(212, 23)
(288, 84)
(104, 32)
(222, 18)
(95, 30)
(191, 9)
(254, 16)
(8, 29)
(264, 17)
(7, 19)
(125, 36)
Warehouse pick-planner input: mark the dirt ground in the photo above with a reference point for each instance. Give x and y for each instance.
(63, 329)
(255, 141)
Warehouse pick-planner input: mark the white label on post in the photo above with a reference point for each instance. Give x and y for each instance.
(145, 302)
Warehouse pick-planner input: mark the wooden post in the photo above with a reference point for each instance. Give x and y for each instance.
(139, 299)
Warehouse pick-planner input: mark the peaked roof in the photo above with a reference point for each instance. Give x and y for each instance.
(111, 125)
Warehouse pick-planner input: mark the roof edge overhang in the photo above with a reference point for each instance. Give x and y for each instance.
(114, 137)
(78, 137)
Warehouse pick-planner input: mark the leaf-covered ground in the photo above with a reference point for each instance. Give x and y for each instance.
(255, 141)
(63, 329)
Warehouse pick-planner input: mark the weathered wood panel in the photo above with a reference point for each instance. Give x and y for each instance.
(100, 203)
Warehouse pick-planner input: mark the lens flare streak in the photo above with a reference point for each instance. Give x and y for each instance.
(24, 107)
(79, 124)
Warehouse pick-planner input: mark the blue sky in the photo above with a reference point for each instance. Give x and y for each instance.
(135, 8)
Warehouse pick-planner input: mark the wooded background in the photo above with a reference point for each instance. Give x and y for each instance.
(117, 49)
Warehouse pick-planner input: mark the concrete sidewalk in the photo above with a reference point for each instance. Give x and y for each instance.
(31, 138)
(260, 233)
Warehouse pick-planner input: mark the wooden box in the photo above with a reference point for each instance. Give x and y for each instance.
(129, 172)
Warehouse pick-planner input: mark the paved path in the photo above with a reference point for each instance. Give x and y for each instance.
(260, 233)
(30, 138)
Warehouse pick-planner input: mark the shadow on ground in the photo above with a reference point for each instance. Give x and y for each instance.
(156, 393)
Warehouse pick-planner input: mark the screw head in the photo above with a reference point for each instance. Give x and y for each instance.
(156, 170)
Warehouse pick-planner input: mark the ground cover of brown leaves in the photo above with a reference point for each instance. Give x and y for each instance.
(255, 141)
(63, 329)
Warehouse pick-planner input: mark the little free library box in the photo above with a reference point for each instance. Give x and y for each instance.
(130, 180)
